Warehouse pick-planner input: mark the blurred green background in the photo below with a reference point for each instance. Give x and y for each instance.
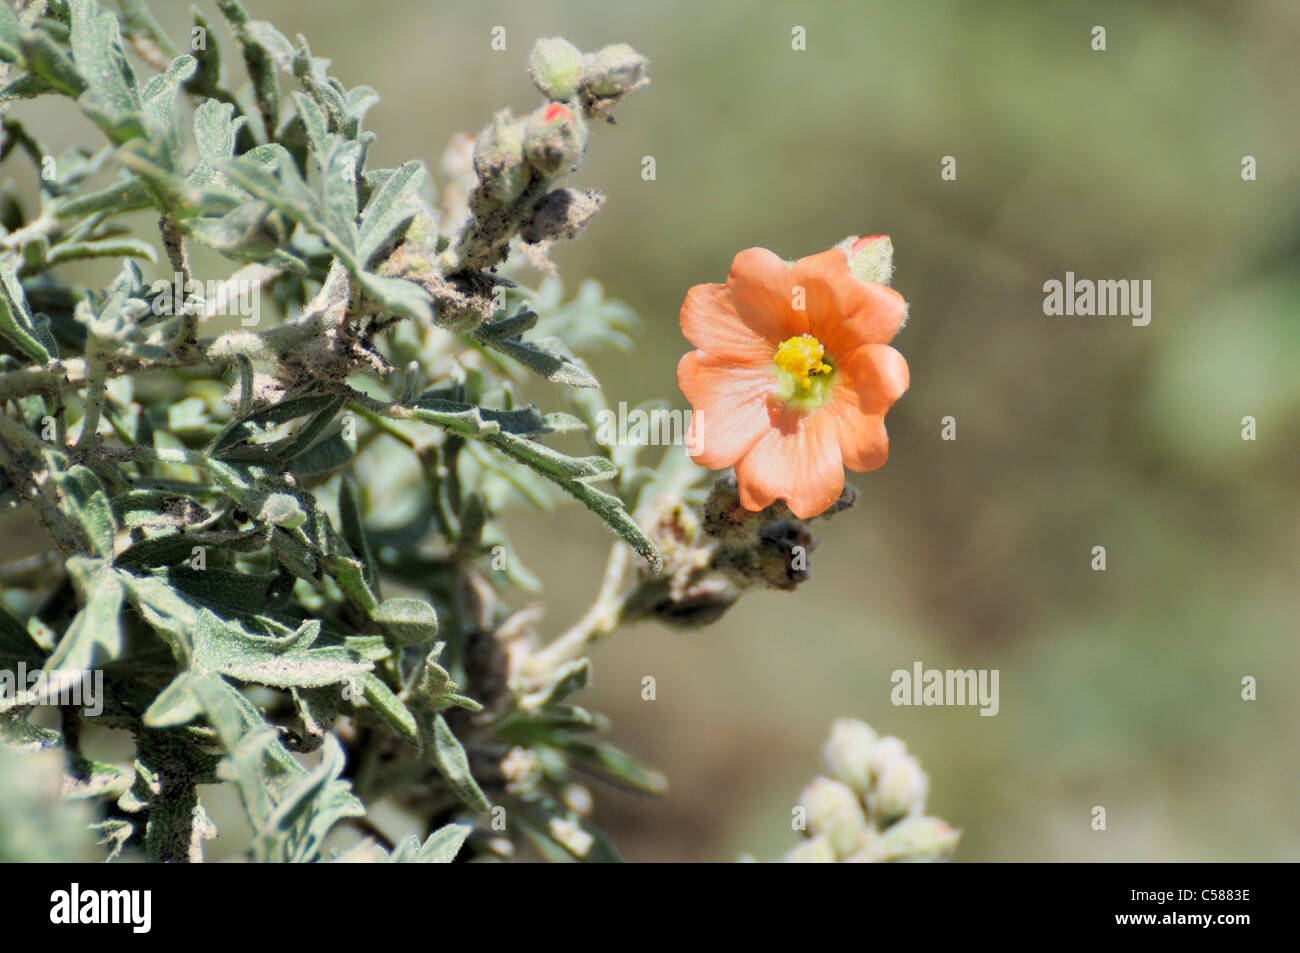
(1119, 688)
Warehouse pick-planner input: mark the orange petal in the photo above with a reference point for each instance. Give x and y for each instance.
(710, 322)
(843, 312)
(761, 286)
(729, 406)
(864, 443)
(873, 377)
(798, 460)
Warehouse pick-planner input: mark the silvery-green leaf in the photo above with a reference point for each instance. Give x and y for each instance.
(308, 807)
(338, 191)
(112, 95)
(259, 60)
(317, 710)
(442, 846)
(392, 206)
(177, 704)
(409, 620)
(350, 575)
(165, 610)
(353, 527)
(314, 121)
(236, 592)
(119, 247)
(88, 779)
(453, 765)
(16, 321)
(206, 81)
(128, 194)
(398, 296)
(389, 707)
(11, 32)
(49, 60)
(505, 430)
(542, 356)
(158, 104)
(613, 765)
(93, 637)
(139, 22)
(221, 646)
(566, 680)
(85, 501)
(216, 131)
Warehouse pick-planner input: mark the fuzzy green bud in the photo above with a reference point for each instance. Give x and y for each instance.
(613, 71)
(607, 76)
(555, 139)
(554, 65)
(499, 159)
(887, 750)
(818, 850)
(423, 229)
(867, 849)
(847, 753)
(901, 789)
(870, 258)
(918, 840)
(834, 811)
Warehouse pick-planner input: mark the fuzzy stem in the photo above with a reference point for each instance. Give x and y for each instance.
(598, 622)
(187, 333)
(94, 406)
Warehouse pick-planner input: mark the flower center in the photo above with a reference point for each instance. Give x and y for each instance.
(804, 379)
(801, 357)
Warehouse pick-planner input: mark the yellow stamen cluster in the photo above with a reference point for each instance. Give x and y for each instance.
(801, 357)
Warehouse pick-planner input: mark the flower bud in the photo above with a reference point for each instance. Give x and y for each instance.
(562, 213)
(608, 75)
(834, 812)
(818, 850)
(870, 258)
(688, 600)
(577, 798)
(613, 71)
(555, 140)
(554, 64)
(918, 840)
(867, 849)
(847, 753)
(423, 228)
(521, 769)
(901, 789)
(499, 159)
(887, 750)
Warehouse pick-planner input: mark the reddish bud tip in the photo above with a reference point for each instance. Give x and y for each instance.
(555, 111)
(863, 242)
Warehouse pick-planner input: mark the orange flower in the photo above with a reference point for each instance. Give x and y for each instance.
(793, 376)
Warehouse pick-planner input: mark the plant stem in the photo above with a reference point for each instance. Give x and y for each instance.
(94, 406)
(187, 333)
(598, 622)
